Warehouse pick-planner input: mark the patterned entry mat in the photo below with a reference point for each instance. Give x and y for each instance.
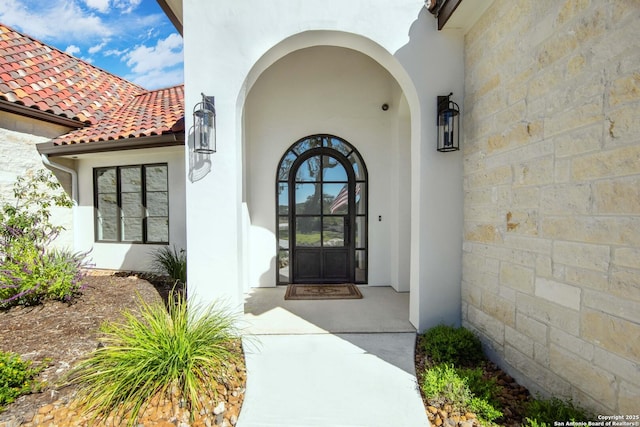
(311, 292)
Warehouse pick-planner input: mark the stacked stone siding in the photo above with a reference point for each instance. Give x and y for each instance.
(551, 264)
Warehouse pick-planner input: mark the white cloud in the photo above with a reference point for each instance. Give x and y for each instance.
(56, 20)
(97, 48)
(101, 6)
(165, 54)
(72, 50)
(115, 52)
(126, 6)
(156, 79)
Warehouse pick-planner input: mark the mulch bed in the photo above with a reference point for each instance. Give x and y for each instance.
(59, 335)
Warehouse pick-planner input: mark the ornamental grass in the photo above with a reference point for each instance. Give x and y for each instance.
(160, 348)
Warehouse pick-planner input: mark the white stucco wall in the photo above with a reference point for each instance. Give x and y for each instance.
(127, 256)
(228, 44)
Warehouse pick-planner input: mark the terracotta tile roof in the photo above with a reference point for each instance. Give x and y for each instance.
(150, 113)
(43, 78)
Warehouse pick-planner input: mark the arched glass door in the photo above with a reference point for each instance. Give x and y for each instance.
(322, 215)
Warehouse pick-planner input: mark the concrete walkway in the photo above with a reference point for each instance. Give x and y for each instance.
(307, 367)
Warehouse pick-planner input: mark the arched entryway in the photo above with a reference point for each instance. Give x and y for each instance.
(322, 212)
(329, 91)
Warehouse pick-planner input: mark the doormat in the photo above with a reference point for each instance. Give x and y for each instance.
(300, 292)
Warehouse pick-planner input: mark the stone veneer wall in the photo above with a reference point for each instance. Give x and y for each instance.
(551, 276)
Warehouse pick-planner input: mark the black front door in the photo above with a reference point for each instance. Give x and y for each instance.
(322, 217)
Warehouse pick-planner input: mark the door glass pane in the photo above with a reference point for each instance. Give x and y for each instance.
(283, 198)
(360, 232)
(283, 266)
(285, 166)
(338, 145)
(156, 178)
(106, 180)
(333, 231)
(308, 231)
(361, 265)
(361, 192)
(308, 198)
(130, 180)
(333, 170)
(308, 144)
(283, 232)
(336, 197)
(358, 168)
(158, 229)
(309, 170)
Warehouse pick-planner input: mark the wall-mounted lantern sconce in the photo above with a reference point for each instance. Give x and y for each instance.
(448, 124)
(204, 125)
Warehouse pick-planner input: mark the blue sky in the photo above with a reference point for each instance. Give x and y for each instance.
(130, 38)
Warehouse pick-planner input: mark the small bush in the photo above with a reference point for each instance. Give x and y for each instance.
(170, 261)
(17, 377)
(486, 389)
(446, 344)
(543, 412)
(30, 273)
(453, 384)
(150, 353)
(443, 380)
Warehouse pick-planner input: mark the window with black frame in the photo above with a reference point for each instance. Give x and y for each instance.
(132, 204)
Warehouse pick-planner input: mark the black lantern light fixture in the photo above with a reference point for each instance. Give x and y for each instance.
(448, 124)
(204, 125)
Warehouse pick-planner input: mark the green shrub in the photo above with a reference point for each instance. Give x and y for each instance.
(443, 380)
(483, 409)
(30, 212)
(543, 412)
(30, 271)
(483, 388)
(149, 353)
(446, 344)
(171, 262)
(17, 377)
(453, 384)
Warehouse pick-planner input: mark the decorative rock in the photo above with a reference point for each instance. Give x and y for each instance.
(45, 409)
(219, 409)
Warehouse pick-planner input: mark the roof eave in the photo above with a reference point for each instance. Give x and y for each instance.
(144, 142)
(34, 113)
(174, 15)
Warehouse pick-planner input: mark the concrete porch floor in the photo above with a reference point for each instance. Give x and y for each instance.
(330, 362)
(381, 309)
